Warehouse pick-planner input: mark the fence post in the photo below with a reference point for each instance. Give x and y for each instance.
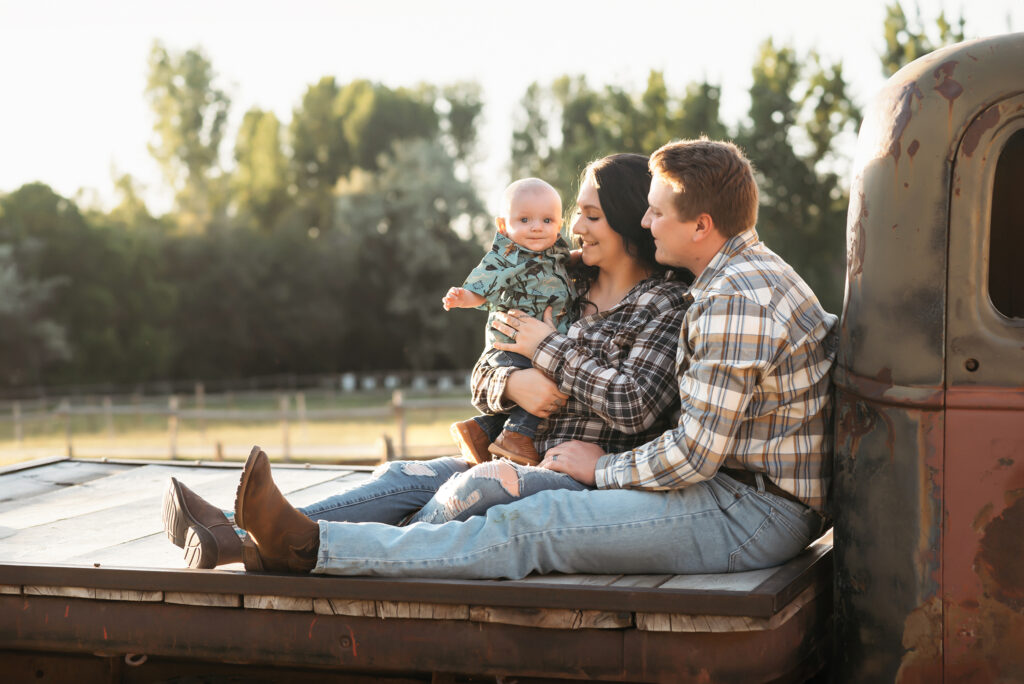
(398, 404)
(17, 422)
(300, 410)
(172, 425)
(200, 405)
(108, 417)
(65, 409)
(286, 443)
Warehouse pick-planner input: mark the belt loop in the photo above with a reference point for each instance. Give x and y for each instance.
(760, 482)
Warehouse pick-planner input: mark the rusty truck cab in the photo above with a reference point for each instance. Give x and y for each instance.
(929, 467)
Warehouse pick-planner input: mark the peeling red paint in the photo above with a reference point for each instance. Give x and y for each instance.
(947, 87)
(984, 122)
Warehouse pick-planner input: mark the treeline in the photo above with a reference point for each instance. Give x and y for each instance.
(327, 241)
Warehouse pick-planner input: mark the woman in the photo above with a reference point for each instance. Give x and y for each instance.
(610, 381)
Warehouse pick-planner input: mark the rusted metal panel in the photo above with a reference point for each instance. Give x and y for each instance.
(918, 430)
(342, 643)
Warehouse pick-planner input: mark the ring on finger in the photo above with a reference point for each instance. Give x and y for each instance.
(513, 333)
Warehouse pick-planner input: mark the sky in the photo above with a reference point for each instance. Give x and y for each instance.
(72, 73)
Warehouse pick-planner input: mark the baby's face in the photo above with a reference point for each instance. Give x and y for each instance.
(534, 219)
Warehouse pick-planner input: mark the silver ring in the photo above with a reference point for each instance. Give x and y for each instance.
(554, 457)
(515, 331)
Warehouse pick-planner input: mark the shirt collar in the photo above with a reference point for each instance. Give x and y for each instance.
(733, 246)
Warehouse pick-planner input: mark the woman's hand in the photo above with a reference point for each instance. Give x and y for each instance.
(576, 459)
(526, 332)
(533, 392)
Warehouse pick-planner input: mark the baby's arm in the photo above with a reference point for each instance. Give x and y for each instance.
(461, 298)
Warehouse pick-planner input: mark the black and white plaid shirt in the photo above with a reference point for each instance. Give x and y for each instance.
(617, 366)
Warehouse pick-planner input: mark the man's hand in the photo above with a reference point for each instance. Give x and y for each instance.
(576, 459)
(461, 298)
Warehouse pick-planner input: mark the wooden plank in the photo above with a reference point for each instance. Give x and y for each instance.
(551, 618)
(649, 581)
(91, 593)
(678, 622)
(22, 485)
(731, 581)
(421, 611)
(10, 588)
(260, 602)
(577, 580)
(189, 598)
(356, 608)
(82, 536)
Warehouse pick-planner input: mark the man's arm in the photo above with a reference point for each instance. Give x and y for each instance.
(732, 343)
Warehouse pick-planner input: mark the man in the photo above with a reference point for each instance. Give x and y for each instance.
(739, 484)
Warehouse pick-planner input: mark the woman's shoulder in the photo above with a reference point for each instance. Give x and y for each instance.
(662, 292)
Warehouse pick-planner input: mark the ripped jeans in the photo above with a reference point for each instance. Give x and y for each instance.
(436, 491)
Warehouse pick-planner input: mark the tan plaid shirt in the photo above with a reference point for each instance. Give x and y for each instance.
(617, 366)
(753, 361)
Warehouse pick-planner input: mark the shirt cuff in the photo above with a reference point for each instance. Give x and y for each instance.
(496, 401)
(604, 477)
(550, 355)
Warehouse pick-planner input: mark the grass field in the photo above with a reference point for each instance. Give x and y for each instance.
(320, 426)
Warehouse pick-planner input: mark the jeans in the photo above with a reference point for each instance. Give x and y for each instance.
(714, 526)
(436, 491)
(517, 419)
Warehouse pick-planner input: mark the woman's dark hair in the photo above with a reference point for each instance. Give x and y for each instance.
(622, 182)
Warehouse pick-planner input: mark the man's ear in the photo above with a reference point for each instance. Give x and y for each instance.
(502, 227)
(705, 227)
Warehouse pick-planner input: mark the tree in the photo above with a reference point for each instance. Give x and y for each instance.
(191, 113)
(593, 123)
(905, 42)
(795, 119)
(260, 182)
(29, 341)
(399, 221)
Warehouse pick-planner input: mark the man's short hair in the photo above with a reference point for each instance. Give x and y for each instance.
(710, 177)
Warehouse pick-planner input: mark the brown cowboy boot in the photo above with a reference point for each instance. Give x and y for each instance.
(516, 447)
(285, 538)
(208, 537)
(471, 440)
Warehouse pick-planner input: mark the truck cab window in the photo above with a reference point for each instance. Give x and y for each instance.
(1006, 243)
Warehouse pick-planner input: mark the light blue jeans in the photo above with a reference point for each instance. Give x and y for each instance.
(437, 491)
(718, 525)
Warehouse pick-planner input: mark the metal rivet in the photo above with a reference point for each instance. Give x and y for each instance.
(971, 365)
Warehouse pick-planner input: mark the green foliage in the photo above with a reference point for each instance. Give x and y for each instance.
(399, 221)
(29, 341)
(593, 123)
(798, 109)
(190, 117)
(260, 182)
(905, 42)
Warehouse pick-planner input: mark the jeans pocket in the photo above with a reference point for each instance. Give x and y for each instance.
(774, 542)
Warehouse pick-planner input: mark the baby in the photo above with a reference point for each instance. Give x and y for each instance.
(525, 269)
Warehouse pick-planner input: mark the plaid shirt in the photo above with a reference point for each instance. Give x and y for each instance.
(755, 350)
(617, 366)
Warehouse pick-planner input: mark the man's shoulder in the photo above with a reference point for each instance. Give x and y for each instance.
(762, 277)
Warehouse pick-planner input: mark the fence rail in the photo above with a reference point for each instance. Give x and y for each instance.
(291, 414)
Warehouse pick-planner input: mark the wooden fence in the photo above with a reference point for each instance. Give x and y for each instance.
(291, 413)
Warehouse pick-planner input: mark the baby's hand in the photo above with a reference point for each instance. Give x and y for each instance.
(461, 298)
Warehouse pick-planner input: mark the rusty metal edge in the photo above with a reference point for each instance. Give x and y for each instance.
(879, 392)
(763, 602)
(238, 635)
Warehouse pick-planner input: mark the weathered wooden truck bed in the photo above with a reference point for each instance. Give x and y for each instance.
(90, 588)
